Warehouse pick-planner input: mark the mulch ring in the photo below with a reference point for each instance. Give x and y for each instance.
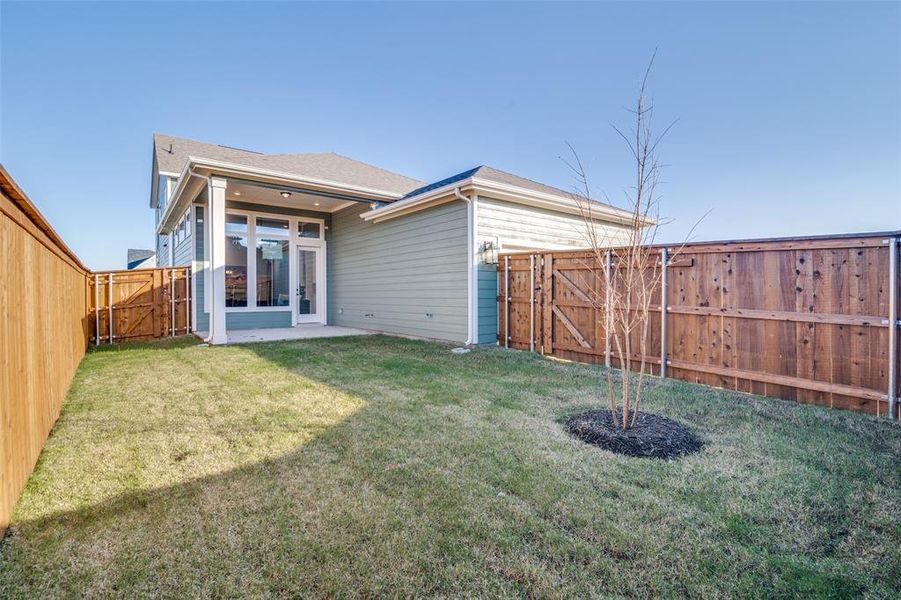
(653, 436)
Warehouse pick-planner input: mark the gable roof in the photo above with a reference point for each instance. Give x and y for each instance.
(171, 154)
(502, 185)
(486, 173)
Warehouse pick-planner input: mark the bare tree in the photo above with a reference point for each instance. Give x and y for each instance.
(625, 260)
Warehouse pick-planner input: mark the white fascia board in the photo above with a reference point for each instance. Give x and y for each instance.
(493, 189)
(225, 169)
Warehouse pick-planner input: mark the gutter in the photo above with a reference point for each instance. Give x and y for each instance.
(471, 279)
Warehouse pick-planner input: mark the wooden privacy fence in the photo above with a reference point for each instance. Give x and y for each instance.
(139, 305)
(813, 320)
(44, 299)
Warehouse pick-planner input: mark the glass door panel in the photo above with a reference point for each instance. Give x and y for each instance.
(307, 288)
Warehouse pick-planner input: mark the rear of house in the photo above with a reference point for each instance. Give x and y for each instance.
(286, 240)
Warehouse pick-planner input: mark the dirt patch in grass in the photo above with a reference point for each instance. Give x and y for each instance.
(652, 436)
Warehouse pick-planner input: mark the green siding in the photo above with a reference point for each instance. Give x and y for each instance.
(487, 295)
(183, 252)
(521, 227)
(391, 276)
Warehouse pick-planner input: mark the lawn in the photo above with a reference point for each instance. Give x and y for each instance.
(381, 466)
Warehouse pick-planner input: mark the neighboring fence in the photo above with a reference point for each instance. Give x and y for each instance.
(44, 299)
(813, 320)
(140, 305)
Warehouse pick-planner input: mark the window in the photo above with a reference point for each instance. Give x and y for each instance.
(266, 226)
(272, 272)
(235, 260)
(309, 229)
(162, 191)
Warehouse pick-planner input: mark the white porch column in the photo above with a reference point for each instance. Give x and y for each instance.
(217, 260)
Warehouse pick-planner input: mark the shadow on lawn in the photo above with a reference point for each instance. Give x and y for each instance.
(283, 522)
(401, 496)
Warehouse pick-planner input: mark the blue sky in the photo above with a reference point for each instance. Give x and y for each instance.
(788, 113)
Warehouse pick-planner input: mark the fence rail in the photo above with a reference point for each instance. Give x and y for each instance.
(139, 305)
(808, 319)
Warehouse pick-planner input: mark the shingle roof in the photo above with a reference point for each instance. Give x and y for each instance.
(172, 153)
(491, 174)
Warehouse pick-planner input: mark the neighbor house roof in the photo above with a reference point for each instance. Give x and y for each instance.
(172, 153)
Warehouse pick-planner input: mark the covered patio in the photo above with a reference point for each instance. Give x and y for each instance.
(259, 249)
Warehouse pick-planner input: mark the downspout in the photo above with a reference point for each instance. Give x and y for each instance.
(471, 205)
(207, 289)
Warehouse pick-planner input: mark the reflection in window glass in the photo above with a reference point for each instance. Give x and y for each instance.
(235, 224)
(235, 270)
(272, 226)
(272, 272)
(306, 299)
(308, 230)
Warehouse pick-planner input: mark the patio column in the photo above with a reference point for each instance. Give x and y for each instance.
(217, 260)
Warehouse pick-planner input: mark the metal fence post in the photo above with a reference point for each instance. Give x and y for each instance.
(892, 327)
(664, 259)
(532, 303)
(607, 320)
(110, 314)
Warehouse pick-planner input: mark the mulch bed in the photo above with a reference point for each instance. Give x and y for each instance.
(653, 436)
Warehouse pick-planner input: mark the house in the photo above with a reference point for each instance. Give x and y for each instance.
(280, 240)
(140, 259)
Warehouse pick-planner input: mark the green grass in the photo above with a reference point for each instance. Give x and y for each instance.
(380, 466)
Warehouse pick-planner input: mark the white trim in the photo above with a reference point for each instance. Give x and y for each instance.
(470, 262)
(294, 243)
(474, 274)
(320, 315)
(218, 333)
(193, 315)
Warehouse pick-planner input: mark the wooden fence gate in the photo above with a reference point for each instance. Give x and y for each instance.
(813, 320)
(140, 304)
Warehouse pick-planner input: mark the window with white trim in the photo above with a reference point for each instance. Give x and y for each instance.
(272, 241)
(236, 250)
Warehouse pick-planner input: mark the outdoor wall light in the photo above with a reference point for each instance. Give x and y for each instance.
(285, 194)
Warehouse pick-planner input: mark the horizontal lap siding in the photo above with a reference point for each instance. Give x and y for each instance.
(514, 227)
(182, 254)
(520, 227)
(400, 270)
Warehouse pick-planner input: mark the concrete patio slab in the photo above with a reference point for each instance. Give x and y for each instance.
(301, 332)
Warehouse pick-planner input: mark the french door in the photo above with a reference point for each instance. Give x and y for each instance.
(310, 285)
